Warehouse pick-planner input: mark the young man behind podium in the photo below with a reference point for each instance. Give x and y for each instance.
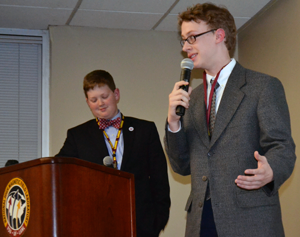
(133, 145)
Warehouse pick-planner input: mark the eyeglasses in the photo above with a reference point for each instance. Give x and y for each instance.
(191, 39)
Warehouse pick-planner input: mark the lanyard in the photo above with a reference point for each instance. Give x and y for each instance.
(114, 148)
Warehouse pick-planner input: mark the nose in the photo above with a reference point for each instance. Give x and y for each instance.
(186, 46)
(100, 102)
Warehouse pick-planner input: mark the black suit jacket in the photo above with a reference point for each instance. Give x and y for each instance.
(143, 156)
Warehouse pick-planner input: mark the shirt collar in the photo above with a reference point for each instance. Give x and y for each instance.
(224, 75)
(117, 116)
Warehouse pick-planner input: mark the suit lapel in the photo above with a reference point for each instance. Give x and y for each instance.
(198, 115)
(231, 99)
(98, 139)
(128, 138)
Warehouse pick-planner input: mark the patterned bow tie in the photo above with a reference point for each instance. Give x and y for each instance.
(104, 123)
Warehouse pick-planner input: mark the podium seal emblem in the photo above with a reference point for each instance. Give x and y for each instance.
(16, 207)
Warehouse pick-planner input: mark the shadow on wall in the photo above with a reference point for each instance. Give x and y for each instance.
(287, 183)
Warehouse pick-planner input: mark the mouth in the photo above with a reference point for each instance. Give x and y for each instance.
(102, 109)
(192, 56)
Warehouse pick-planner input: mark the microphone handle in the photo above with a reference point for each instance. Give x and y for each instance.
(185, 76)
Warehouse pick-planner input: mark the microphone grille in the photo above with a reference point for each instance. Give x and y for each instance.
(107, 161)
(187, 63)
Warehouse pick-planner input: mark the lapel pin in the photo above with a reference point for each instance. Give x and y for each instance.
(131, 129)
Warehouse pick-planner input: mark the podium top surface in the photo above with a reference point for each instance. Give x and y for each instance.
(63, 161)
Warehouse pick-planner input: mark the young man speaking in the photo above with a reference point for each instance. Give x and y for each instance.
(235, 137)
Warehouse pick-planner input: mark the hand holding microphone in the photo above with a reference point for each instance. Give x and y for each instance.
(187, 66)
(179, 97)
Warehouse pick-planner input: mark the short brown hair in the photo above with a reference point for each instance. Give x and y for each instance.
(98, 78)
(215, 17)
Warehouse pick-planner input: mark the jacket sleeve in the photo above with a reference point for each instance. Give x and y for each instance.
(177, 150)
(275, 133)
(69, 148)
(159, 181)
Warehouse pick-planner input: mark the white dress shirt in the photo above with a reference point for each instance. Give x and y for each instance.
(222, 80)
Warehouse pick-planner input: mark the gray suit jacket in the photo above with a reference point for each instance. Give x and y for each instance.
(253, 115)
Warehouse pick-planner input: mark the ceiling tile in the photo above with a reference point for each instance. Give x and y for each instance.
(169, 23)
(41, 3)
(151, 6)
(115, 20)
(32, 18)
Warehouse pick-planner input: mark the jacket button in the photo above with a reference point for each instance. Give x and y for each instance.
(200, 204)
(208, 154)
(204, 178)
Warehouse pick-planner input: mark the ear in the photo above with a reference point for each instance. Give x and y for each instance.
(220, 35)
(117, 94)
(87, 102)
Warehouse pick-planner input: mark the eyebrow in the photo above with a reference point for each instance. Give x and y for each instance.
(189, 33)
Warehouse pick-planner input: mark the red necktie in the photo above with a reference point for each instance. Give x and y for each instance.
(212, 117)
(104, 123)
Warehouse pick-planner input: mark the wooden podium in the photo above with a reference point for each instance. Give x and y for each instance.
(67, 197)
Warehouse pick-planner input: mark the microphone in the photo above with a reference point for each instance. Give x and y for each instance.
(187, 66)
(107, 161)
